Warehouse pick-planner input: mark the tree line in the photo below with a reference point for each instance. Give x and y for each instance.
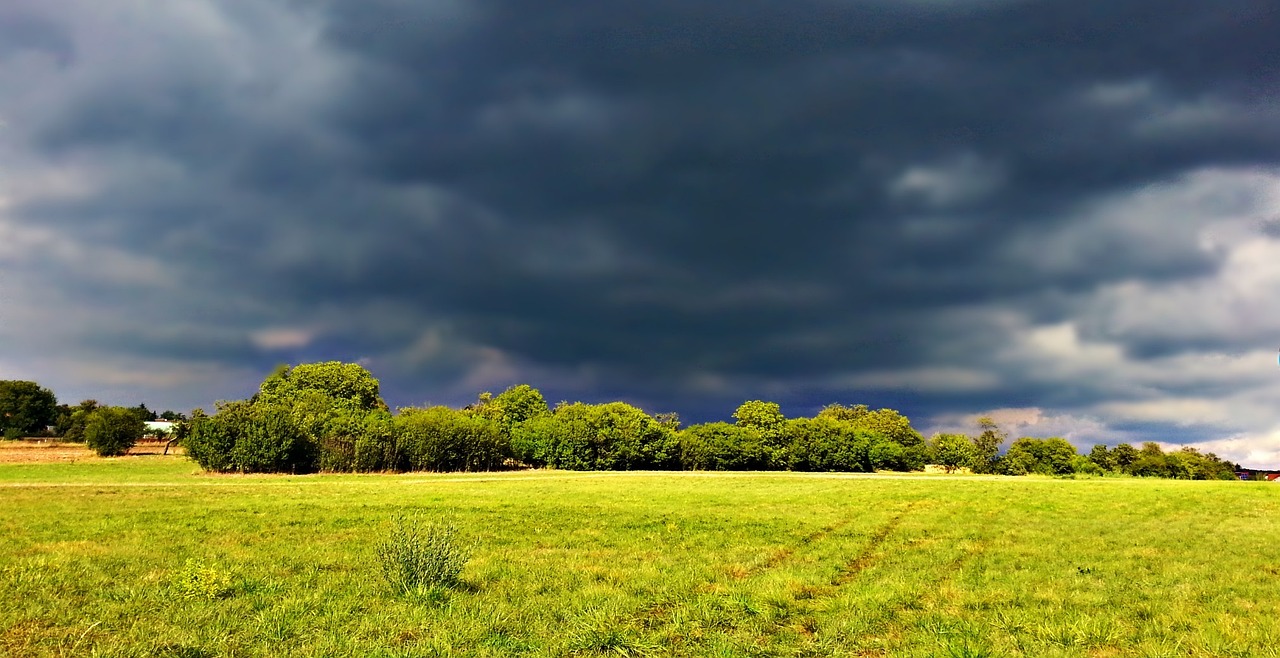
(331, 417)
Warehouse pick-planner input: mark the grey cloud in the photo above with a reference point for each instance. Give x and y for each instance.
(684, 203)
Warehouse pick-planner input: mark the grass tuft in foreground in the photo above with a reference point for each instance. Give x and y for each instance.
(419, 555)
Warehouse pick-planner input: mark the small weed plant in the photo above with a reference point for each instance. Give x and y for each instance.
(420, 556)
(197, 580)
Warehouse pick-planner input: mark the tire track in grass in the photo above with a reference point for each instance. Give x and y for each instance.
(869, 553)
(781, 555)
(662, 612)
(655, 613)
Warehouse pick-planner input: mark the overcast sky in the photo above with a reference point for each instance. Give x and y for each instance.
(1066, 214)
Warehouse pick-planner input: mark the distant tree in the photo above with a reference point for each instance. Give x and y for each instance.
(1123, 456)
(512, 406)
(668, 419)
(1102, 457)
(25, 408)
(1052, 456)
(111, 431)
(143, 413)
(172, 416)
(826, 444)
(837, 411)
(75, 423)
(954, 451)
(987, 445)
(766, 419)
(1086, 465)
(891, 424)
(250, 438)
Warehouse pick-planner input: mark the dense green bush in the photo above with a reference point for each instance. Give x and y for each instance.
(600, 437)
(826, 444)
(444, 439)
(722, 447)
(111, 431)
(330, 416)
(1052, 456)
(954, 451)
(250, 437)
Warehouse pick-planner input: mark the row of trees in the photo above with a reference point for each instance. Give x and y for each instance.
(28, 409)
(1055, 456)
(331, 417)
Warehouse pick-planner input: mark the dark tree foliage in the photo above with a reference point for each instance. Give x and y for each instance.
(344, 384)
(71, 425)
(25, 408)
(143, 413)
(956, 451)
(111, 431)
(1052, 456)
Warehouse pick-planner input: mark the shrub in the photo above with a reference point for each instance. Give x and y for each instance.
(111, 431)
(376, 448)
(826, 444)
(211, 439)
(196, 580)
(353, 440)
(444, 439)
(416, 557)
(599, 437)
(270, 442)
(250, 438)
(722, 447)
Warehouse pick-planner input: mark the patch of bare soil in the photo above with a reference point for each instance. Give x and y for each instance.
(37, 451)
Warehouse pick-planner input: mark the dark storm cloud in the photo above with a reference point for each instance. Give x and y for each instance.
(702, 201)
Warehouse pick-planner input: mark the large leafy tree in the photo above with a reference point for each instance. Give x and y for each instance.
(348, 384)
(25, 407)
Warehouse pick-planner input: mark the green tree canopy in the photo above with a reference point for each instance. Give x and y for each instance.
(763, 417)
(25, 407)
(346, 383)
(111, 431)
(954, 451)
(987, 445)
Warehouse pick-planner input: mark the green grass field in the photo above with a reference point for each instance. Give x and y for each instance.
(639, 564)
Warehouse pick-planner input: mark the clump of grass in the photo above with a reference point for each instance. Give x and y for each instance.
(197, 580)
(419, 557)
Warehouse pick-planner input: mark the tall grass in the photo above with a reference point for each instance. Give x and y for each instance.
(419, 555)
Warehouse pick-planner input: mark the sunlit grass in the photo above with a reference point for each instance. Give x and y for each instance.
(93, 556)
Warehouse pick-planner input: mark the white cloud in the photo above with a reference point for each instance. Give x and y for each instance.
(959, 180)
(281, 338)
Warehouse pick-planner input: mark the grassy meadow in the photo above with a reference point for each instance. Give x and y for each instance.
(92, 554)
